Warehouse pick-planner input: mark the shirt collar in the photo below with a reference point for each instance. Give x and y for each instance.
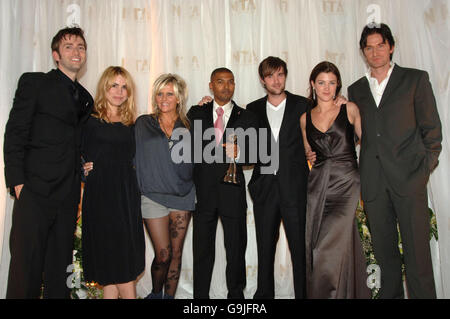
(371, 78)
(65, 78)
(278, 107)
(226, 108)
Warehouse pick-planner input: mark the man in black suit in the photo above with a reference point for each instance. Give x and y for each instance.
(42, 170)
(214, 198)
(278, 186)
(400, 145)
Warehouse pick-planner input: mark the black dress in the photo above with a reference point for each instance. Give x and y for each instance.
(112, 232)
(335, 259)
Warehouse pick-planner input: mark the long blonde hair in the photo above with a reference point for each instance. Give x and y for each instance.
(181, 93)
(128, 108)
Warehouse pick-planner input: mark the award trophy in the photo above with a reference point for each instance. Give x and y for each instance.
(231, 177)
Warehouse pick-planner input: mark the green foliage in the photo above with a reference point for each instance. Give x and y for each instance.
(366, 241)
(364, 232)
(85, 290)
(82, 289)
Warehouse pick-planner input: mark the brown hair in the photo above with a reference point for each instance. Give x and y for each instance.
(128, 108)
(63, 33)
(270, 65)
(323, 67)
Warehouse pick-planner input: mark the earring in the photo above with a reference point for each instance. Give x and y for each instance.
(314, 94)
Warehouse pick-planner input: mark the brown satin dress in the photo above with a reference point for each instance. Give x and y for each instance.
(335, 260)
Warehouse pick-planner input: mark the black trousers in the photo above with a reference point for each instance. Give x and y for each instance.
(233, 215)
(41, 245)
(268, 216)
(412, 216)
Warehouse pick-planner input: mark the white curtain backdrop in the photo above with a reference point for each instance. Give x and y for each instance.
(191, 38)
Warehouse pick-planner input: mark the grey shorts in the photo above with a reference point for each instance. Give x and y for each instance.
(152, 209)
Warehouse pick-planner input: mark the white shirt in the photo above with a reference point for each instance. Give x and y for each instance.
(227, 108)
(376, 88)
(275, 116)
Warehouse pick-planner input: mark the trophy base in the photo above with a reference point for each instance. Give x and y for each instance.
(237, 183)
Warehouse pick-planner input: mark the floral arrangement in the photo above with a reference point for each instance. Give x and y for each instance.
(82, 289)
(85, 290)
(367, 241)
(433, 225)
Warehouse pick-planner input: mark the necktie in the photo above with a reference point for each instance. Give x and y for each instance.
(76, 98)
(75, 92)
(218, 125)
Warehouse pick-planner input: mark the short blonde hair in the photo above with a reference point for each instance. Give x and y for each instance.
(128, 109)
(181, 93)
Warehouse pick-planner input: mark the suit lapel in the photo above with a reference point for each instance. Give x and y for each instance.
(392, 84)
(263, 110)
(86, 111)
(235, 112)
(209, 120)
(234, 116)
(265, 119)
(366, 93)
(288, 114)
(67, 108)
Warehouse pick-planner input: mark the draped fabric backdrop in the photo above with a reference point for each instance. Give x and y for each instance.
(191, 38)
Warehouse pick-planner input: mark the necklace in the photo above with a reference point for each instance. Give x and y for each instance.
(169, 137)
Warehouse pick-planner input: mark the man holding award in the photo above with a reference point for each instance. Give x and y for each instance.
(220, 184)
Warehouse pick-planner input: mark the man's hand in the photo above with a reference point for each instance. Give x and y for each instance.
(205, 100)
(87, 167)
(231, 149)
(17, 190)
(340, 99)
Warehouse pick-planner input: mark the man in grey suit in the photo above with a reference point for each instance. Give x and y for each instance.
(400, 145)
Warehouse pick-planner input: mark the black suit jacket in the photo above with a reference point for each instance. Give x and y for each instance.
(402, 137)
(207, 176)
(42, 136)
(292, 171)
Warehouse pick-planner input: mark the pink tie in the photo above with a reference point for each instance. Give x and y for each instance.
(218, 125)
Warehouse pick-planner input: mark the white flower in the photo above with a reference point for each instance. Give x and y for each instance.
(82, 294)
(365, 230)
(78, 231)
(77, 267)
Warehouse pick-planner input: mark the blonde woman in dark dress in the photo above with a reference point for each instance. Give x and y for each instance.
(112, 234)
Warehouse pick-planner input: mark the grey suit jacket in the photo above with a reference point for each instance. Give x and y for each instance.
(402, 137)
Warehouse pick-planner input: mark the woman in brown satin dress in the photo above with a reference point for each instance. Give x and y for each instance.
(335, 261)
